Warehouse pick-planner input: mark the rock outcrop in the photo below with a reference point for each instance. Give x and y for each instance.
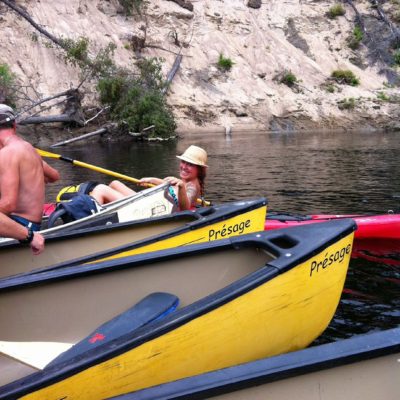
(264, 40)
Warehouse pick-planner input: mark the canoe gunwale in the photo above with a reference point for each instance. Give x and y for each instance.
(283, 264)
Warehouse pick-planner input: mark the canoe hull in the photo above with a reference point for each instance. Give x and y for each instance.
(272, 299)
(362, 367)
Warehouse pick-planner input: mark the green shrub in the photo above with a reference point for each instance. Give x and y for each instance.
(289, 78)
(382, 96)
(345, 77)
(137, 101)
(347, 104)
(336, 10)
(224, 64)
(77, 50)
(396, 57)
(330, 88)
(7, 85)
(77, 54)
(130, 5)
(356, 38)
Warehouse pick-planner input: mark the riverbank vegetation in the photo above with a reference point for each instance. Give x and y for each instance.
(133, 98)
(7, 86)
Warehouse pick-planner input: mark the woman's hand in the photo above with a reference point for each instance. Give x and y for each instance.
(172, 180)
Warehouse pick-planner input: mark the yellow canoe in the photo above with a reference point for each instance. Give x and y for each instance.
(242, 299)
(134, 237)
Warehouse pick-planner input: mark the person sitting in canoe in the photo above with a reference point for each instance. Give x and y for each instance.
(23, 175)
(190, 184)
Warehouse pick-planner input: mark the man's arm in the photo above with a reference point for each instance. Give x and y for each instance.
(50, 173)
(10, 228)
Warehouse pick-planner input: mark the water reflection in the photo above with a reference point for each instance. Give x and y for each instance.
(306, 172)
(303, 172)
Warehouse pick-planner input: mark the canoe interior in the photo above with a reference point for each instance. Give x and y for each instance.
(149, 203)
(79, 245)
(69, 310)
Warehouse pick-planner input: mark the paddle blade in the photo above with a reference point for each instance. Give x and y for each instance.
(152, 307)
(48, 154)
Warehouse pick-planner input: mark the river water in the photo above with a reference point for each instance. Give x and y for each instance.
(303, 172)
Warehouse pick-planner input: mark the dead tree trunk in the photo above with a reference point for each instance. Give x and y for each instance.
(65, 118)
(25, 15)
(172, 72)
(72, 112)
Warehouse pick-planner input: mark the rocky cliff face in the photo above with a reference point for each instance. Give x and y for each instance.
(264, 44)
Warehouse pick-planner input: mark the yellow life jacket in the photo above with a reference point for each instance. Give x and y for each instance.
(68, 192)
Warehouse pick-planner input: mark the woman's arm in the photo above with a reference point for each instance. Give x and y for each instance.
(152, 181)
(187, 193)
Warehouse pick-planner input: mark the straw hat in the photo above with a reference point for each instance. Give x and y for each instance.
(195, 155)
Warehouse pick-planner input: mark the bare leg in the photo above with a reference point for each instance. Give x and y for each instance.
(121, 188)
(105, 194)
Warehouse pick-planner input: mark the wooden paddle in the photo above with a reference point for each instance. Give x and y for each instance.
(44, 153)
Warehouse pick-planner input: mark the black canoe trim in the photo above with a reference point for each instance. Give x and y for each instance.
(332, 231)
(216, 383)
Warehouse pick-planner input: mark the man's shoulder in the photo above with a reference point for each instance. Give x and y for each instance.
(22, 146)
(18, 150)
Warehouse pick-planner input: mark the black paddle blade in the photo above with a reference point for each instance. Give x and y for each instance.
(152, 307)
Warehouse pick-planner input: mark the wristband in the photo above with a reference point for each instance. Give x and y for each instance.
(29, 237)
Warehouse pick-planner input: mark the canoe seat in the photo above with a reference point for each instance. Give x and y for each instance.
(152, 307)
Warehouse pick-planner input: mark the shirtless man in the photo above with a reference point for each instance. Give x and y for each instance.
(23, 175)
(12, 229)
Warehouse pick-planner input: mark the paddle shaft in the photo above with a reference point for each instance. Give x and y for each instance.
(102, 170)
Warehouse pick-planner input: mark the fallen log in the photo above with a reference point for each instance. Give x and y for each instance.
(81, 137)
(64, 118)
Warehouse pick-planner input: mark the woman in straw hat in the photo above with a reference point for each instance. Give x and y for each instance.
(190, 184)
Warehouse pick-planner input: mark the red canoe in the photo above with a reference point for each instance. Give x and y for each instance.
(377, 237)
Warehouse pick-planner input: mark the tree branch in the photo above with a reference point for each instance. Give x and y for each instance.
(25, 15)
(41, 101)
